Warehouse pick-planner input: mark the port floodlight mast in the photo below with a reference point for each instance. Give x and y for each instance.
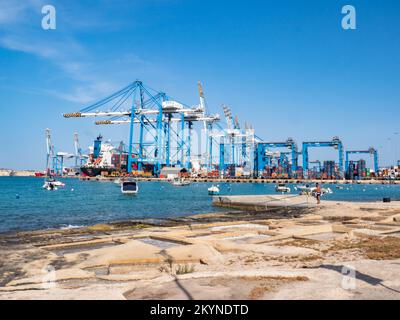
(371, 151)
(336, 143)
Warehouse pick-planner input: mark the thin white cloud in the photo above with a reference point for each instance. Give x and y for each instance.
(62, 50)
(41, 50)
(84, 94)
(15, 11)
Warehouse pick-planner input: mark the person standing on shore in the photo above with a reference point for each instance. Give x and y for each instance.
(318, 193)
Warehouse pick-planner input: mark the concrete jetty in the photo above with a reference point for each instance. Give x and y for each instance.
(264, 202)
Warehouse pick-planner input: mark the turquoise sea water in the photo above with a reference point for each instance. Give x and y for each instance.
(83, 203)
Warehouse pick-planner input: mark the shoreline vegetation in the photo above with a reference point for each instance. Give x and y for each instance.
(277, 253)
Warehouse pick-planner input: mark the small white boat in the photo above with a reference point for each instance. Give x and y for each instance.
(51, 184)
(307, 190)
(118, 181)
(180, 182)
(326, 191)
(213, 190)
(59, 184)
(129, 187)
(282, 188)
(304, 188)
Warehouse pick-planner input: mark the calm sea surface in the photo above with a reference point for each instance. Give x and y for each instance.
(83, 203)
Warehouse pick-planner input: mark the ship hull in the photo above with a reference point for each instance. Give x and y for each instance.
(94, 172)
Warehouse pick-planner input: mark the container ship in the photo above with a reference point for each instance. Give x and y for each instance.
(104, 159)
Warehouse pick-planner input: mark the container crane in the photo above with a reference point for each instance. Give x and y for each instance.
(318, 163)
(262, 149)
(59, 160)
(241, 142)
(231, 133)
(50, 152)
(371, 151)
(208, 128)
(79, 157)
(336, 143)
(154, 112)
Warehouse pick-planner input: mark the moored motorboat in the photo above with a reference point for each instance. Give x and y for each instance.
(213, 190)
(129, 187)
(304, 188)
(51, 184)
(282, 188)
(180, 182)
(307, 190)
(326, 191)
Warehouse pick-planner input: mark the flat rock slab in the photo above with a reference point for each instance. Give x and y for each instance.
(195, 253)
(132, 252)
(49, 277)
(263, 202)
(211, 288)
(229, 246)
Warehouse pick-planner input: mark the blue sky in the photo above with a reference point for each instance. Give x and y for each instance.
(287, 67)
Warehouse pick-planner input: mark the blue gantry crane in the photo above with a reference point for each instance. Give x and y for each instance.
(371, 151)
(261, 158)
(55, 160)
(155, 113)
(236, 146)
(80, 158)
(161, 129)
(334, 143)
(318, 163)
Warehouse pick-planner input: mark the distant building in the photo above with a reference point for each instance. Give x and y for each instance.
(172, 172)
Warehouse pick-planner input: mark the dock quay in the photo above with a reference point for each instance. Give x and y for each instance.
(250, 180)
